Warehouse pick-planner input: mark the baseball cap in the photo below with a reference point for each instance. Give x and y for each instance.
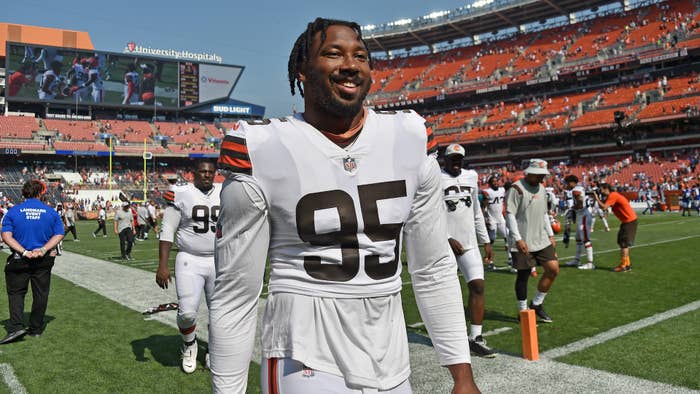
(454, 149)
(125, 204)
(537, 167)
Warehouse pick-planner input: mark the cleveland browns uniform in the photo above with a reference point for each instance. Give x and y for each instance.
(465, 221)
(495, 221)
(584, 220)
(333, 220)
(192, 214)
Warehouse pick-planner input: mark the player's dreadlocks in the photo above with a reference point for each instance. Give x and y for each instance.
(300, 52)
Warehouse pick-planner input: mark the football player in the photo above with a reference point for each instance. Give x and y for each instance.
(94, 80)
(594, 209)
(467, 229)
(530, 236)
(583, 230)
(192, 213)
(49, 84)
(131, 85)
(493, 198)
(329, 193)
(570, 182)
(686, 200)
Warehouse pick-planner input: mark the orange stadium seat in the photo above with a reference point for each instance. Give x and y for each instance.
(18, 126)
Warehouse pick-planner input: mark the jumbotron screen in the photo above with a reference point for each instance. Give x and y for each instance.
(97, 78)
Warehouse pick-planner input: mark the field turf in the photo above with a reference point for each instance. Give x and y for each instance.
(93, 344)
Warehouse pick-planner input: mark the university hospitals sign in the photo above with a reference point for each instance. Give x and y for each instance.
(132, 47)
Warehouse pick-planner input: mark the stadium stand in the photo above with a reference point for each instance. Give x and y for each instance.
(18, 127)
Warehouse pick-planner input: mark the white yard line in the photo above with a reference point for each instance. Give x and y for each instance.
(11, 381)
(620, 331)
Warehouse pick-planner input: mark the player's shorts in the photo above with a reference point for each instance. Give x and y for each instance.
(627, 233)
(470, 265)
(523, 261)
(284, 375)
(696, 203)
(684, 204)
(192, 275)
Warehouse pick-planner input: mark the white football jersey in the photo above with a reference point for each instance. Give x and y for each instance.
(198, 215)
(494, 207)
(465, 221)
(336, 233)
(53, 86)
(577, 193)
(97, 84)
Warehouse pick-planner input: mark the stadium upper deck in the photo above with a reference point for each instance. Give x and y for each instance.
(480, 17)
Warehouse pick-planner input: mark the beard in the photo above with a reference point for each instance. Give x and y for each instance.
(328, 101)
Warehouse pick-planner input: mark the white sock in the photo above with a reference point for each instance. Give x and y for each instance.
(522, 305)
(474, 330)
(589, 252)
(605, 222)
(539, 298)
(188, 337)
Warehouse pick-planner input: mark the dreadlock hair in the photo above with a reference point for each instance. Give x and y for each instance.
(300, 51)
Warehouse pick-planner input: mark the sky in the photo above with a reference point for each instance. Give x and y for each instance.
(256, 34)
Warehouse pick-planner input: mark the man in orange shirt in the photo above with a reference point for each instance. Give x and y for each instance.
(628, 223)
(24, 76)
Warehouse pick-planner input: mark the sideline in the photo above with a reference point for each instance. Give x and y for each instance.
(136, 289)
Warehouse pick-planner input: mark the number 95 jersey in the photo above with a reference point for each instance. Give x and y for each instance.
(336, 213)
(199, 212)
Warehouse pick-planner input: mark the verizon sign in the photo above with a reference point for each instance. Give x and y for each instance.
(216, 81)
(134, 48)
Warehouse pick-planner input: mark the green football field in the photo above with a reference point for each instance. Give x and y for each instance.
(93, 344)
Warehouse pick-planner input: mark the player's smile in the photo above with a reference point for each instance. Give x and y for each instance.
(338, 75)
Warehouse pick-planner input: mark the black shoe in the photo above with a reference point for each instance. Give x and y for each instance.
(13, 336)
(128, 257)
(478, 346)
(34, 333)
(541, 314)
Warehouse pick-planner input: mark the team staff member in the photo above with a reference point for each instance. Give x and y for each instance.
(69, 219)
(101, 218)
(328, 193)
(628, 223)
(530, 236)
(32, 230)
(191, 213)
(124, 228)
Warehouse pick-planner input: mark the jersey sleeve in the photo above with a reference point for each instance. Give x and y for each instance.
(176, 195)
(431, 143)
(169, 197)
(243, 235)
(170, 224)
(433, 269)
(234, 156)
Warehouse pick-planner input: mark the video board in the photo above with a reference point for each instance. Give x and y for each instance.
(98, 78)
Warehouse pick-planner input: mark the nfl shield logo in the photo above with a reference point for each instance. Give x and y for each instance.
(349, 164)
(131, 46)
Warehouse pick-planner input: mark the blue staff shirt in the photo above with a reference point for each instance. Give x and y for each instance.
(32, 223)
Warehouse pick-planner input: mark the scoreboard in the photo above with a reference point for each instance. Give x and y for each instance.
(189, 84)
(109, 79)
